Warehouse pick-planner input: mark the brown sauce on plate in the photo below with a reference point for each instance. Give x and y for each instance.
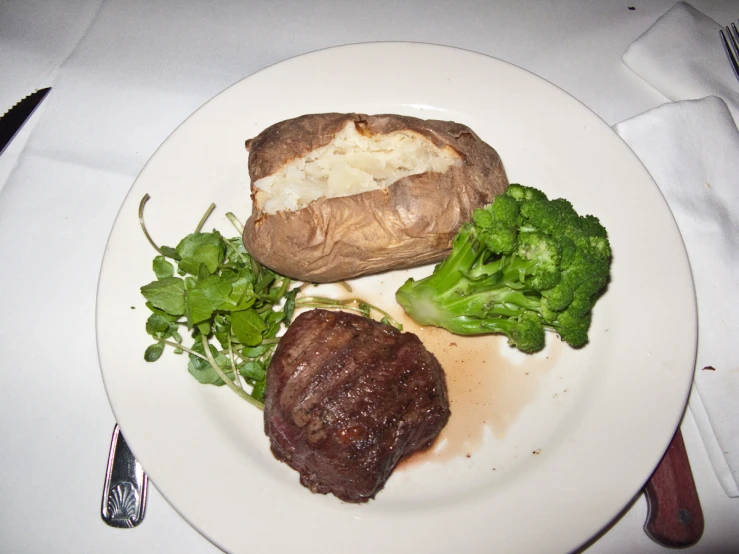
(486, 390)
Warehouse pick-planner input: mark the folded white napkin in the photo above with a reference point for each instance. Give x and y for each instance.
(691, 149)
(681, 55)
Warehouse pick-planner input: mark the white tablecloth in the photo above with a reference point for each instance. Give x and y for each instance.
(125, 74)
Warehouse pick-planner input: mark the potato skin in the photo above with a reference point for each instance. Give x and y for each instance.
(410, 223)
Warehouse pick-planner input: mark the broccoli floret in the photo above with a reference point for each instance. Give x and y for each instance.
(526, 332)
(506, 210)
(523, 265)
(538, 256)
(520, 192)
(497, 225)
(573, 329)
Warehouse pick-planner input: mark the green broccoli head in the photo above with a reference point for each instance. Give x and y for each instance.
(580, 283)
(520, 193)
(496, 225)
(506, 210)
(541, 254)
(573, 329)
(528, 333)
(591, 226)
(483, 218)
(524, 330)
(559, 297)
(553, 217)
(567, 249)
(524, 264)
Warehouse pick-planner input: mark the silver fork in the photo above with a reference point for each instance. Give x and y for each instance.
(730, 39)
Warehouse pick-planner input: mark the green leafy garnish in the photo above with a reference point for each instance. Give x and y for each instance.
(167, 294)
(231, 306)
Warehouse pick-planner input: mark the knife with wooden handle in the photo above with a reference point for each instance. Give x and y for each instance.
(674, 517)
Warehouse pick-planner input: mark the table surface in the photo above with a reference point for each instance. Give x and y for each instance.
(125, 74)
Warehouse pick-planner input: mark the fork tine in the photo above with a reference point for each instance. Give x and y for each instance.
(734, 36)
(731, 47)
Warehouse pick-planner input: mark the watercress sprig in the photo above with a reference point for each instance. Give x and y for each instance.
(232, 307)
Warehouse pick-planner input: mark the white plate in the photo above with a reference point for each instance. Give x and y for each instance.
(585, 429)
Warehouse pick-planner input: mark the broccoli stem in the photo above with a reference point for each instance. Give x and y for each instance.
(462, 287)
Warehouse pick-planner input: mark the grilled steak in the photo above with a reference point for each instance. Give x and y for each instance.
(347, 398)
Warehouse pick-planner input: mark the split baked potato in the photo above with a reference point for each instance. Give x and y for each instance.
(336, 196)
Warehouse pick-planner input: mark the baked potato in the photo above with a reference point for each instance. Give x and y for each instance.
(336, 196)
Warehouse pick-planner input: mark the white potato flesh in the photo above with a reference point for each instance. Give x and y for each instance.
(351, 163)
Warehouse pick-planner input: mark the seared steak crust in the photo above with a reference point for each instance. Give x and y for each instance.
(347, 398)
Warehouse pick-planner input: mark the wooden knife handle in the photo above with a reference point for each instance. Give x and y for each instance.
(674, 517)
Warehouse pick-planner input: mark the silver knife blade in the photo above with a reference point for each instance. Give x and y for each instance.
(12, 121)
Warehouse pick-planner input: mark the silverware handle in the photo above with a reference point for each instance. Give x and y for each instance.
(126, 485)
(674, 517)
